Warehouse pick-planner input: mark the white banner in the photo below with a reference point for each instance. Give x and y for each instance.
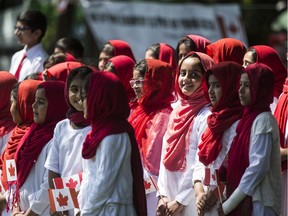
(143, 24)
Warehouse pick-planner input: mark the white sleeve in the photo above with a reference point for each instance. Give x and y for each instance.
(52, 161)
(230, 204)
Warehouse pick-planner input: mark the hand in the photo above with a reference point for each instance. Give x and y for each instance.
(162, 206)
(200, 203)
(56, 213)
(220, 210)
(174, 208)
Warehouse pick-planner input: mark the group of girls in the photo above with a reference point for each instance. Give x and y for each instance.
(202, 133)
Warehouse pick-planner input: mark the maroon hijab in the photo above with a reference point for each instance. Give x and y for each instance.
(168, 54)
(108, 111)
(227, 111)
(7, 81)
(200, 42)
(122, 48)
(261, 88)
(39, 135)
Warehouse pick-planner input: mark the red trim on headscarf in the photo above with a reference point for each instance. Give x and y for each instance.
(226, 112)
(7, 81)
(108, 110)
(181, 119)
(122, 48)
(281, 115)
(200, 42)
(261, 88)
(157, 95)
(267, 55)
(227, 49)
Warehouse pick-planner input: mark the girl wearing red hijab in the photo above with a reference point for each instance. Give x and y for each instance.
(186, 124)
(112, 172)
(220, 87)
(281, 115)
(123, 66)
(226, 49)
(32, 178)
(253, 172)
(7, 81)
(190, 43)
(22, 98)
(152, 82)
(114, 48)
(268, 56)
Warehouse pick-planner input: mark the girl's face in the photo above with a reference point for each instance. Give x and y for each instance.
(14, 112)
(215, 90)
(103, 58)
(244, 90)
(40, 106)
(75, 90)
(248, 59)
(183, 51)
(190, 77)
(137, 83)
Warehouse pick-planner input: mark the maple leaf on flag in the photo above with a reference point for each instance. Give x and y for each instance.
(147, 185)
(214, 177)
(71, 183)
(62, 200)
(11, 170)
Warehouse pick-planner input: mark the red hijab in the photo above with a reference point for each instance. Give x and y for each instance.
(124, 70)
(261, 88)
(227, 111)
(281, 115)
(168, 54)
(267, 55)
(39, 135)
(200, 42)
(227, 49)
(7, 81)
(108, 110)
(25, 99)
(61, 70)
(182, 118)
(157, 95)
(122, 48)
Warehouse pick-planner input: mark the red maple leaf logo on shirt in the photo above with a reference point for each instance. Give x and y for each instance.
(71, 183)
(11, 170)
(147, 185)
(62, 200)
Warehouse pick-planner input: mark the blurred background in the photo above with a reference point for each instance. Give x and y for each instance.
(262, 22)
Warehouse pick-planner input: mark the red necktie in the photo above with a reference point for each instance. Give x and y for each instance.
(20, 66)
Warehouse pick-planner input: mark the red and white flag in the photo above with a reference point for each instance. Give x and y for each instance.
(11, 170)
(62, 199)
(211, 177)
(150, 185)
(68, 182)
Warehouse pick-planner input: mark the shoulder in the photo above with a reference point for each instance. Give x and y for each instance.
(265, 122)
(203, 113)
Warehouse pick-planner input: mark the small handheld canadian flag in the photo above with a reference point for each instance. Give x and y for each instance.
(211, 177)
(150, 185)
(68, 182)
(11, 170)
(62, 199)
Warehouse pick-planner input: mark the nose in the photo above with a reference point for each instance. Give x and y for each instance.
(34, 105)
(210, 90)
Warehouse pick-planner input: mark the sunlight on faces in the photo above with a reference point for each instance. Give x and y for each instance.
(215, 90)
(137, 88)
(14, 112)
(149, 54)
(26, 36)
(183, 51)
(75, 90)
(40, 106)
(248, 59)
(244, 90)
(103, 58)
(190, 76)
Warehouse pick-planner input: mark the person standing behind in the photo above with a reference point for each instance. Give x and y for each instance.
(30, 28)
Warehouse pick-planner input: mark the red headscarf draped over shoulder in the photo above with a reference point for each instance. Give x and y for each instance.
(182, 118)
(108, 110)
(227, 49)
(25, 99)
(268, 56)
(124, 70)
(39, 135)
(261, 88)
(200, 42)
(7, 81)
(122, 48)
(227, 111)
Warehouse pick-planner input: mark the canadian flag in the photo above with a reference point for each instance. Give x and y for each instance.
(73, 181)
(11, 170)
(62, 199)
(211, 177)
(150, 185)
